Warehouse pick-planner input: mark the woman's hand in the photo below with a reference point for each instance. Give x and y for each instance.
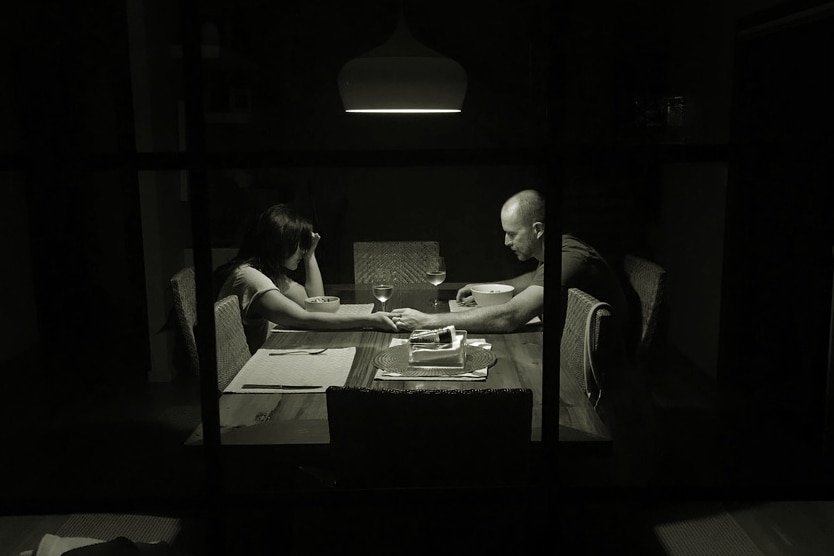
(312, 250)
(383, 321)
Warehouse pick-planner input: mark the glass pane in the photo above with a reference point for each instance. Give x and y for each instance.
(88, 355)
(457, 206)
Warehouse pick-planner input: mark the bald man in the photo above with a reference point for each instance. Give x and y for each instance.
(522, 218)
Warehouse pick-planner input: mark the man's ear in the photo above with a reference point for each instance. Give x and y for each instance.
(538, 227)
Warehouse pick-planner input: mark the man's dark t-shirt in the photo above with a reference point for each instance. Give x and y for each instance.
(584, 268)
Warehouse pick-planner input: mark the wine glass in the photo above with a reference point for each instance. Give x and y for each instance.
(382, 288)
(436, 275)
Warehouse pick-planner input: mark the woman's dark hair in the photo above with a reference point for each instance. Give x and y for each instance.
(271, 238)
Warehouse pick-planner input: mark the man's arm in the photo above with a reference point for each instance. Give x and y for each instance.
(520, 283)
(506, 317)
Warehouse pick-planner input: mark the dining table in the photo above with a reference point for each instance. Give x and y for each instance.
(300, 418)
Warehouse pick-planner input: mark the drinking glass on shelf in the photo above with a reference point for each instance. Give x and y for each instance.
(436, 275)
(382, 288)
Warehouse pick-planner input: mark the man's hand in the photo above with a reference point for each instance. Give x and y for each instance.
(410, 319)
(464, 296)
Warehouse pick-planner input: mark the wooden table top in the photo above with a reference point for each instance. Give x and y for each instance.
(301, 418)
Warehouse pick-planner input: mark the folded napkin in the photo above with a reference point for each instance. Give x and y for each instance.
(477, 375)
(344, 309)
(304, 372)
(455, 307)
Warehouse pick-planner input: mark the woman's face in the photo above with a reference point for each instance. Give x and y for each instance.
(293, 261)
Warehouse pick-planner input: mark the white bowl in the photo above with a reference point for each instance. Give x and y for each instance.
(322, 303)
(492, 294)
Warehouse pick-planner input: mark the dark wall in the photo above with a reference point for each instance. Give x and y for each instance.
(18, 321)
(780, 226)
(69, 78)
(457, 206)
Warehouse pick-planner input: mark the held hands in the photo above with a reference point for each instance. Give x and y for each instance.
(409, 319)
(383, 321)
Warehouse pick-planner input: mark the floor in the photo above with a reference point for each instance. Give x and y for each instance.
(673, 429)
(95, 441)
(732, 527)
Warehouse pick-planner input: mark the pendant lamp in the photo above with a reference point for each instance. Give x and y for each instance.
(402, 76)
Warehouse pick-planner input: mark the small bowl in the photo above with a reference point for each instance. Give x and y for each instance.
(322, 303)
(492, 294)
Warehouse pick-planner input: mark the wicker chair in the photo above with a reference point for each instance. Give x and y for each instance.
(405, 261)
(183, 286)
(232, 349)
(429, 438)
(138, 528)
(587, 323)
(648, 280)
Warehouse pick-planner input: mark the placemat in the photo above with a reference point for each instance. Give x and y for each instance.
(289, 371)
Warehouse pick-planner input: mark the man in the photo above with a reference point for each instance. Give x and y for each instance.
(522, 218)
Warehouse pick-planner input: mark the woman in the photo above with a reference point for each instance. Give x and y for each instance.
(278, 241)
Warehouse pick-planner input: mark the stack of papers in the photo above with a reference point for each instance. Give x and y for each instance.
(295, 370)
(477, 375)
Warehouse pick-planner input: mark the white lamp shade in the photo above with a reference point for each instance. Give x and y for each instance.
(403, 76)
(402, 84)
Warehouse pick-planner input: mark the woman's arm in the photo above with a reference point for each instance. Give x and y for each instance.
(313, 282)
(278, 308)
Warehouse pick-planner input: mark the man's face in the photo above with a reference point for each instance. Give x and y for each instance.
(518, 235)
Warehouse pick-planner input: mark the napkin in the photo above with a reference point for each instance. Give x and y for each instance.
(330, 368)
(455, 307)
(344, 309)
(478, 375)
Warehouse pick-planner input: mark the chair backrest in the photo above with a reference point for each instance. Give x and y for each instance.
(442, 438)
(405, 261)
(648, 280)
(184, 288)
(232, 349)
(139, 528)
(584, 336)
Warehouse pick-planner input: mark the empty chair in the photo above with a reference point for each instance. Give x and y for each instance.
(232, 349)
(429, 438)
(584, 340)
(648, 280)
(184, 289)
(404, 261)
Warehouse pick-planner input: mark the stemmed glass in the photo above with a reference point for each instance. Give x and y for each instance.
(436, 275)
(383, 288)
